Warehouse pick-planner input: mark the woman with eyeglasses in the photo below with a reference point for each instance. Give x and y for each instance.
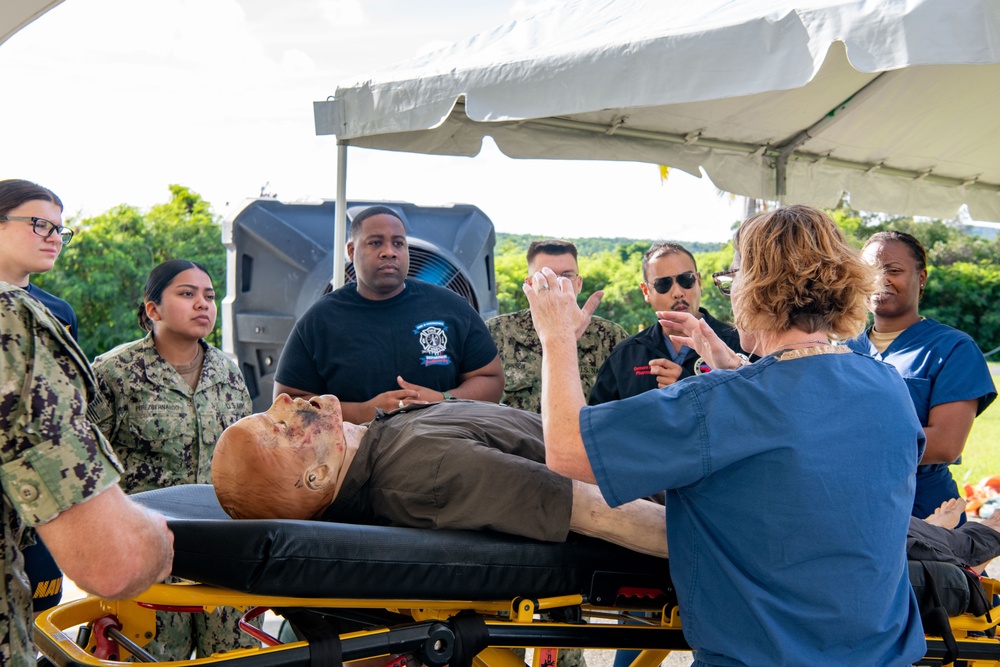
(31, 238)
(59, 474)
(943, 368)
(788, 480)
(167, 398)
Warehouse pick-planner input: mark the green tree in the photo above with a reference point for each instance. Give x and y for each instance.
(102, 274)
(618, 275)
(510, 268)
(965, 296)
(618, 271)
(712, 300)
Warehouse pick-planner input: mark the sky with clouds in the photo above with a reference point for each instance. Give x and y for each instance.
(110, 101)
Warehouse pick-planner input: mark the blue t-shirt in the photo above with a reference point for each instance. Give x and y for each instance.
(939, 365)
(62, 310)
(355, 347)
(788, 492)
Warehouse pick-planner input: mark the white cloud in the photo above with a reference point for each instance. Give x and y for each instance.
(123, 97)
(342, 13)
(298, 62)
(525, 8)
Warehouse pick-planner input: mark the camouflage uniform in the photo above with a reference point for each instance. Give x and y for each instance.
(52, 456)
(521, 356)
(164, 431)
(165, 434)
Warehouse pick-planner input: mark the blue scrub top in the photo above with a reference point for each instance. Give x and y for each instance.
(939, 364)
(789, 487)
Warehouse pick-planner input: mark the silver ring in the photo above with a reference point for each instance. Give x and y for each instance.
(400, 402)
(543, 286)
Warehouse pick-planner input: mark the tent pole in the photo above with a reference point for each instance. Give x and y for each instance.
(835, 115)
(340, 217)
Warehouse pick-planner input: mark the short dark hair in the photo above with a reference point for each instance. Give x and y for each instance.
(663, 249)
(360, 218)
(551, 247)
(15, 191)
(158, 280)
(915, 247)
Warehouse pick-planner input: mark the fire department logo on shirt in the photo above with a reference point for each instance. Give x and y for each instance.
(433, 342)
(701, 366)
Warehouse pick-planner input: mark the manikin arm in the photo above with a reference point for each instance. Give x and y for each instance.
(640, 525)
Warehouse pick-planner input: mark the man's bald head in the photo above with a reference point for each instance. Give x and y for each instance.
(283, 463)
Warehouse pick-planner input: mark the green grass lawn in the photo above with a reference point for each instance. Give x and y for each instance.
(982, 450)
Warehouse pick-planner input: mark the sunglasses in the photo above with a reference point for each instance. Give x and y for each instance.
(663, 284)
(724, 280)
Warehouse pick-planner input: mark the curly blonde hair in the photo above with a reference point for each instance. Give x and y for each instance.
(798, 271)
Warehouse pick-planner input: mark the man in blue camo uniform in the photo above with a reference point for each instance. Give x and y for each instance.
(517, 342)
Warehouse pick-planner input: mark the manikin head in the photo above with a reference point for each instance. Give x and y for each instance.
(284, 463)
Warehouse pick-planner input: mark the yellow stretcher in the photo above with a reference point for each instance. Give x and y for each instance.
(405, 595)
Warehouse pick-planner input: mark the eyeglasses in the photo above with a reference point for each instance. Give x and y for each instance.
(569, 274)
(43, 227)
(724, 280)
(663, 284)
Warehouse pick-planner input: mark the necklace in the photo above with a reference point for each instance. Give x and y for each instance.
(804, 342)
(784, 347)
(816, 347)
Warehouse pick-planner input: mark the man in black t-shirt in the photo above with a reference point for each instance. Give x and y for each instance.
(388, 341)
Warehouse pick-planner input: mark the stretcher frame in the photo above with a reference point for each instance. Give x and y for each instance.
(433, 630)
(430, 634)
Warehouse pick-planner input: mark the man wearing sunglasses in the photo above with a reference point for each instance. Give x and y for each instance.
(648, 359)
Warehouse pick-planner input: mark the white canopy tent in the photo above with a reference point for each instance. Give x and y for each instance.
(896, 102)
(15, 14)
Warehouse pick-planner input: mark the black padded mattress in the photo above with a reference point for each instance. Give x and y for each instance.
(334, 560)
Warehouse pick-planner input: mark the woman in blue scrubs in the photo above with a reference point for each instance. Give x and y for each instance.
(943, 368)
(789, 481)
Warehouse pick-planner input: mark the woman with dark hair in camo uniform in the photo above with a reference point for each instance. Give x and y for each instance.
(167, 398)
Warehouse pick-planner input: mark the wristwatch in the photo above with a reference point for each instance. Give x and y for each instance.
(447, 396)
(744, 359)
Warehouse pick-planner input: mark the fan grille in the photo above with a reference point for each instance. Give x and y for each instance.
(432, 268)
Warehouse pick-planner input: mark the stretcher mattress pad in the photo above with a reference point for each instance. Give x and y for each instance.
(334, 560)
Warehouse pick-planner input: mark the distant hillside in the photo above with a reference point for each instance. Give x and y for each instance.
(590, 246)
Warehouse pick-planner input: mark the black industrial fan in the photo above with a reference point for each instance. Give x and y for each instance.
(280, 260)
(427, 265)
